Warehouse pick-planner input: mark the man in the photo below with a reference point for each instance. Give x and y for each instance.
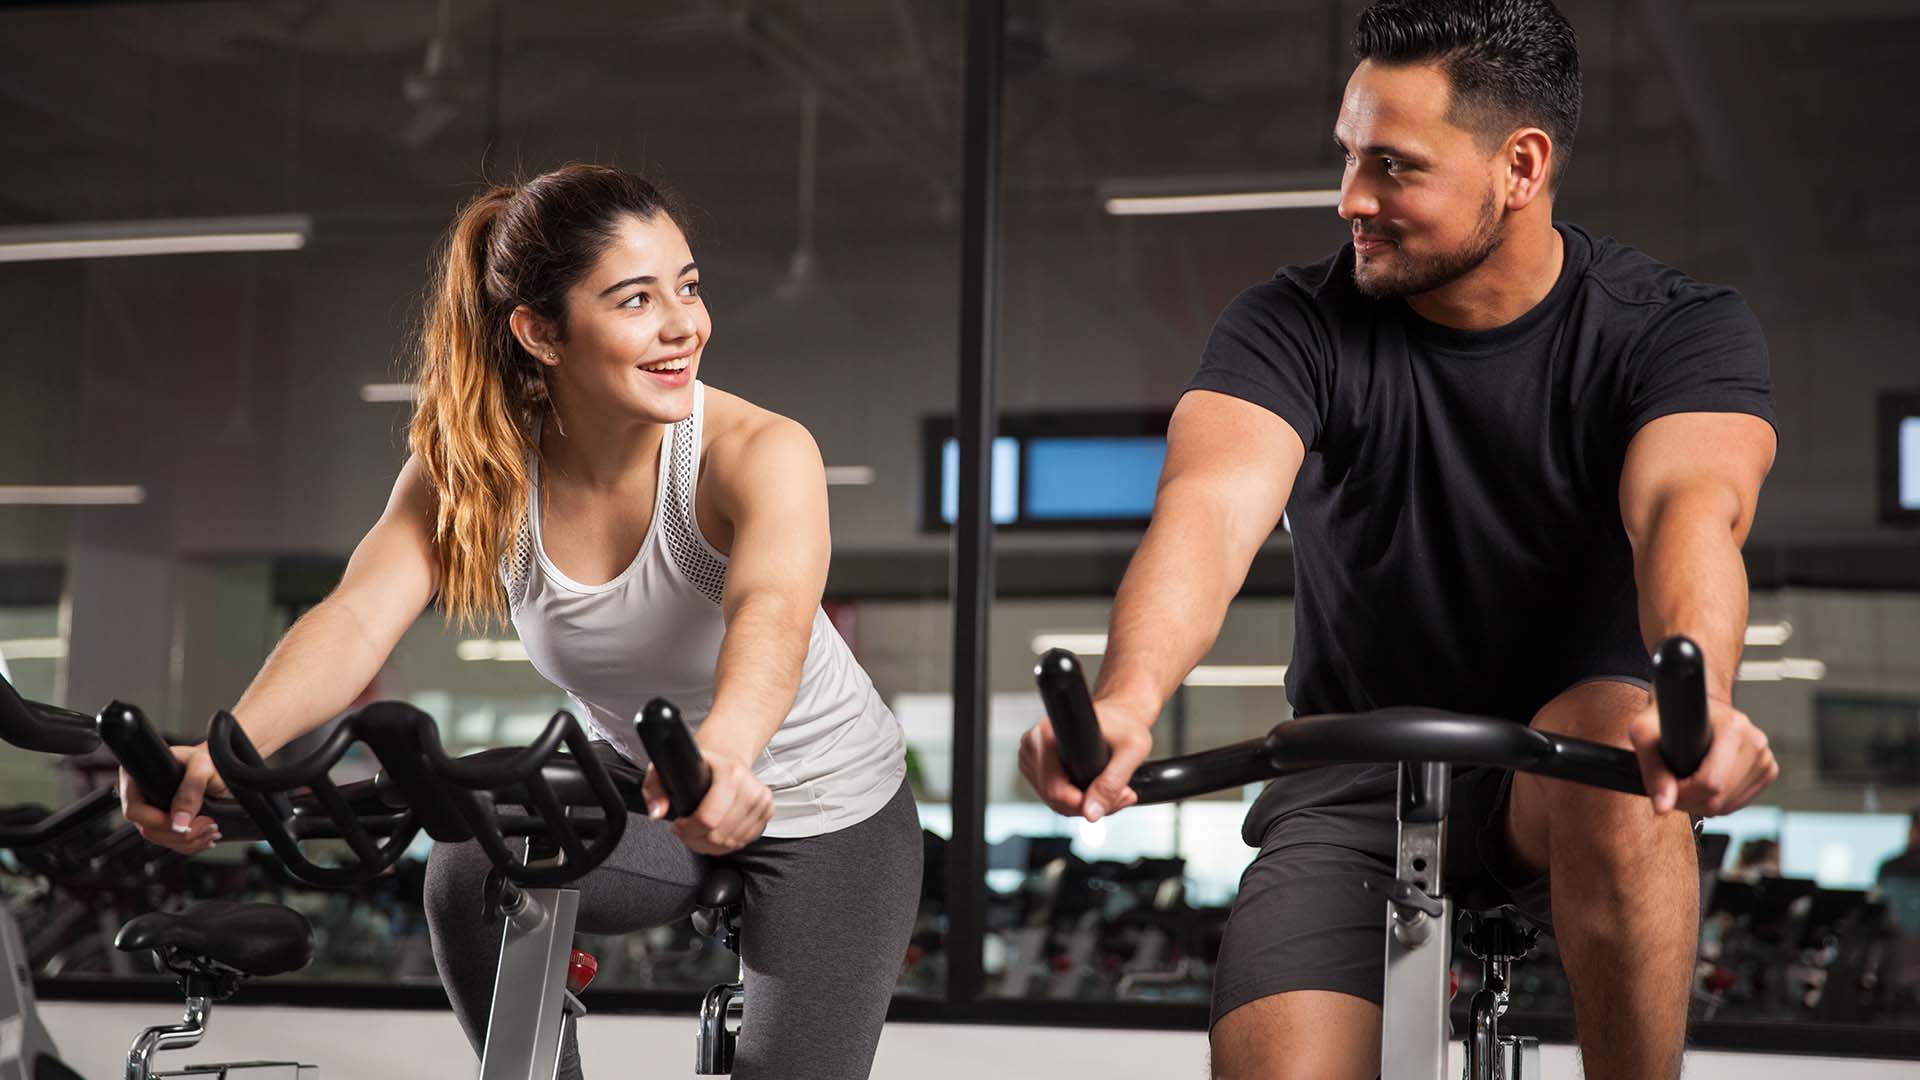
(1513, 455)
(1906, 864)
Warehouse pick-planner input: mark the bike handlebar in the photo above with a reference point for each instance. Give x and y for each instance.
(46, 729)
(1400, 734)
(571, 798)
(1680, 691)
(683, 772)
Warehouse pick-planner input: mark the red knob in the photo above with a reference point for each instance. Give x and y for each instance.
(580, 970)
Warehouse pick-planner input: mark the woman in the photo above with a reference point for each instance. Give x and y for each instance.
(646, 536)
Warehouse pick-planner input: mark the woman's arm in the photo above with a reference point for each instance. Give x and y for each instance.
(768, 489)
(328, 657)
(771, 489)
(324, 662)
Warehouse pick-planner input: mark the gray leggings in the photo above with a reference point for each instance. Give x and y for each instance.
(824, 929)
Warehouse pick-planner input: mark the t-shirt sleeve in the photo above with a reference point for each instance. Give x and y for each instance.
(1266, 348)
(1702, 353)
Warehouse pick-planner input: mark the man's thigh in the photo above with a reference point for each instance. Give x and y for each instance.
(1297, 989)
(1299, 1035)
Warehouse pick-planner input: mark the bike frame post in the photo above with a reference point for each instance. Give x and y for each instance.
(1413, 1028)
(23, 1039)
(530, 997)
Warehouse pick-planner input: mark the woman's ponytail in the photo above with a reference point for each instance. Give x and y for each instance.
(473, 424)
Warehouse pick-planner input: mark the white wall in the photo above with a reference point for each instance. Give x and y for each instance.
(375, 1045)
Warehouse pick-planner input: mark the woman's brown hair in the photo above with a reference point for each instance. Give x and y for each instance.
(482, 397)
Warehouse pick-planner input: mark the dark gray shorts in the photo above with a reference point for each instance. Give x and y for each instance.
(1303, 919)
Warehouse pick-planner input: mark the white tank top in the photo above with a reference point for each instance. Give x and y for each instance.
(655, 631)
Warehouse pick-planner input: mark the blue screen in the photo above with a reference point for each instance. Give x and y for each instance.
(1003, 482)
(1910, 463)
(1093, 477)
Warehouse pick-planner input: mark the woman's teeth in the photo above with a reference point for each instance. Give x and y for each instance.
(665, 367)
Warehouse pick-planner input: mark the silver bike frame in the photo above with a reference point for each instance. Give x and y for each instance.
(1413, 1024)
(23, 1039)
(531, 1002)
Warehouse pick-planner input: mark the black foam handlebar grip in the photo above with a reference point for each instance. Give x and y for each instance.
(138, 747)
(1680, 693)
(683, 772)
(47, 729)
(1063, 689)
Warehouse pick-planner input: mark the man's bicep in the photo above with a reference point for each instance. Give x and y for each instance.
(1234, 454)
(1726, 453)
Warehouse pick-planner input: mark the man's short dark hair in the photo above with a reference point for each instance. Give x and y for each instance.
(1511, 63)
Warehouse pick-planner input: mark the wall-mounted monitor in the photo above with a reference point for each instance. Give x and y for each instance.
(1899, 452)
(1867, 738)
(1053, 470)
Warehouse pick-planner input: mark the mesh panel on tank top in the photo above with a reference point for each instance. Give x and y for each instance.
(516, 564)
(702, 568)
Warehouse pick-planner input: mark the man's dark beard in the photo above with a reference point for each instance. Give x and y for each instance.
(1415, 276)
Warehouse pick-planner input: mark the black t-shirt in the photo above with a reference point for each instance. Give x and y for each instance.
(1904, 865)
(1456, 523)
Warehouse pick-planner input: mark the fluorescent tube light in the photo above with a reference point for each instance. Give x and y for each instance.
(482, 649)
(1773, 633)
(388, 391)
(850, 475)
(1227, 202)
(72, 494)
(33, 648)
(1238, 675)
(1083, 643)
(177, 236)
(1777, 670)
(1215, 194)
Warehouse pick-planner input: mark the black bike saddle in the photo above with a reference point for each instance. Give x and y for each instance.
(257, 939)
(721, 888)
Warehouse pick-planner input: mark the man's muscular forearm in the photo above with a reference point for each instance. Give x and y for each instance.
(1693, 581)
(1171, 602)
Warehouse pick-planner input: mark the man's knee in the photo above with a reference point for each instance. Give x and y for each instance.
(1301, 1035)
(1598, 711)
(1609, 826)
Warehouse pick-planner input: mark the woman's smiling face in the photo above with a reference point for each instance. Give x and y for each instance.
(636, 327)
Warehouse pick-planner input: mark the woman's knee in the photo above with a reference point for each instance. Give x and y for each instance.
(456, 878)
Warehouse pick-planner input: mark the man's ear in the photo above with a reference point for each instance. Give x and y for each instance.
(1528, 155)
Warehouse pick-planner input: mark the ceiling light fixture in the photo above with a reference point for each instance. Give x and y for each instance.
(379, 392)
(1220, 194)
(176, 236)
(850, 475)
(1237, 675)
(1086, 644)
(72, 494)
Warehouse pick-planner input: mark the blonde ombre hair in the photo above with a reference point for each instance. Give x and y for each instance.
(481, 397)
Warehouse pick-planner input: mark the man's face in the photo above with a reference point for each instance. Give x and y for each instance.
(1423, 198)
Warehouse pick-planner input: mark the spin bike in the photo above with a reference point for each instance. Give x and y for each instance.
(545, 814)
(1426, 744)
(212, 947)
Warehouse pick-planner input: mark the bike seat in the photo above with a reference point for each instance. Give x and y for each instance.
(257, 939)
(721, 888)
